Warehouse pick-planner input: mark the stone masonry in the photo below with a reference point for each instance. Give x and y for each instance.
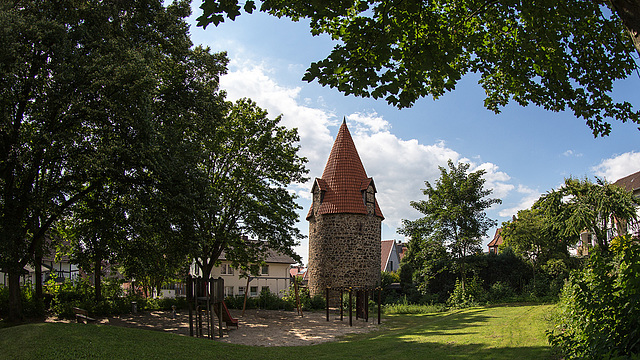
(344, 223)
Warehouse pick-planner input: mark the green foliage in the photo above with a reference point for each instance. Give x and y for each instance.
(500, 292)
(80, 113)
(467, 295)
(534, 237)
(32, 307)
(405, 307)
(581, 205)
(454, 223)
(238, 171)
(598, 316)
(556, 55)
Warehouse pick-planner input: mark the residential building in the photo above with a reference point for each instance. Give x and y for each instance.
(62, 269)
(274, 276)
(630, 183)
(390, 256)
(496, 242)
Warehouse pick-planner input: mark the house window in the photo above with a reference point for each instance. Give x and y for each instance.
(228, 291)
(254, 291)
(241, 290)
(265, 269)
(226, 269)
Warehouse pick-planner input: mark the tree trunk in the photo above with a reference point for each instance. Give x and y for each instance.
(38, 279)
(629, 13)
(97, 269)
(15, 298)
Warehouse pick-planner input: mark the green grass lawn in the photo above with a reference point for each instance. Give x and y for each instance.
(502, 332)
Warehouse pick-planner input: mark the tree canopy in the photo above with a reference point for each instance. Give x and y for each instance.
(454, 213)
(77, 81)
(533, 236)
(579, 205)
(559, 55)
(114, 128)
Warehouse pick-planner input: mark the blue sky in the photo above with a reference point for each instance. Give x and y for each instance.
(526, 151)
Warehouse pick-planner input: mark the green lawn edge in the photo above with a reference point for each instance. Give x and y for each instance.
(497, 332)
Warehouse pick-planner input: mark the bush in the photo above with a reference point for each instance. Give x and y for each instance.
(404, 307)
(500, 292)
(469, 295)
(598, 316)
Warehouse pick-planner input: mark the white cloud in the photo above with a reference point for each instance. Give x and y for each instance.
(253, 81)
(399, 167)
(618, 166)
(570, 153)
(528, 197)
(370, 122)
(496, 180)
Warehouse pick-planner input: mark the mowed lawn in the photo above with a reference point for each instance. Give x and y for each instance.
(501, 332)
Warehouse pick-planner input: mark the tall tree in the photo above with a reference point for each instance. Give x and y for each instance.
(560, 55)
(580, 205)
(532, 236)
(454, 212)
(77, 84)
(240, 187)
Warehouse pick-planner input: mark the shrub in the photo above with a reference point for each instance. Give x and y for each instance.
(404, 307)
(598, 316)
(469, 295)
(500, 292)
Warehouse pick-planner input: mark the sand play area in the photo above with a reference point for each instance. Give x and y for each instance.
(257, 327)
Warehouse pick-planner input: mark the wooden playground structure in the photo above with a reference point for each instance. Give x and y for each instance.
(362, 296)
(206, 298)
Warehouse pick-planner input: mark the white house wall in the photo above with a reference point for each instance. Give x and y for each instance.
(277, 280)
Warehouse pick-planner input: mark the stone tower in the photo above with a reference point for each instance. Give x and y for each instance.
(344, 222)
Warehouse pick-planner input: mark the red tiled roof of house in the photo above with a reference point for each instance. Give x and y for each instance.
(630, 182)
(497, 238)
(344, 179)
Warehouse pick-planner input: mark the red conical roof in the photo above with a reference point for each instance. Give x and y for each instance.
(343, 179)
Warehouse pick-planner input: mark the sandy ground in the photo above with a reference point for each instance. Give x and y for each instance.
(257, 327)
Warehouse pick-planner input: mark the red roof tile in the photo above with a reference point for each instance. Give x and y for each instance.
(497, 238)
(344, 179)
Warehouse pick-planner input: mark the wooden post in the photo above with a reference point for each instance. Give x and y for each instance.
(246, 291)
(341, 303)
(220, 318)
(295, 287)
(190, 301)
(366, 306)
(379, 304)
(327, 303)
(350, 309)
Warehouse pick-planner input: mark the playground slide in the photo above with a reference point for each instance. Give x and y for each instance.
(226, 315)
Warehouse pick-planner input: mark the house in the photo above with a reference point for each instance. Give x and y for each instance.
(274, 275)
(62, 269)
(390, 259)
(630, 183)
(402, 249)
(496, 242)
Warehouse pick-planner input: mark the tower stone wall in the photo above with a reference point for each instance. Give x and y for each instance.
(345, 223)
(344, 251)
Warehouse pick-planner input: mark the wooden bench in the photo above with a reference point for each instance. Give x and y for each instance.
(82, 315)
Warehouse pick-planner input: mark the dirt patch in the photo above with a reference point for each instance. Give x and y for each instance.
(257, 327)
